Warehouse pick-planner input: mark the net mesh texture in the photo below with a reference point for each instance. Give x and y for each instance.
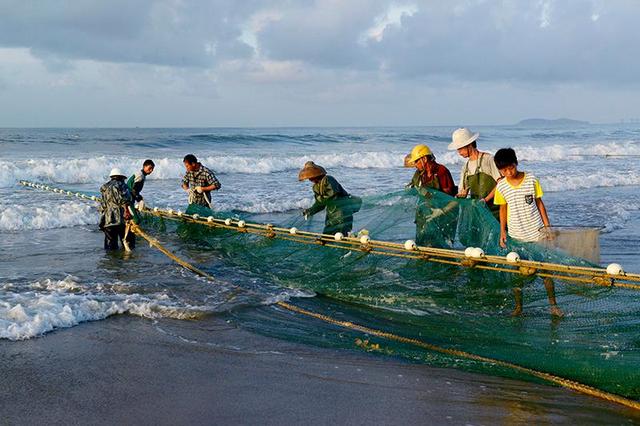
(596, 342)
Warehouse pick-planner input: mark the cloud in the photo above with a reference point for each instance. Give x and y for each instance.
(540, 41)
(306, 62)
(322, 33)
(159, 32)
(465, 40)
(392, 17)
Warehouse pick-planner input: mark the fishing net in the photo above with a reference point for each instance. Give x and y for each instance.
(595, 343)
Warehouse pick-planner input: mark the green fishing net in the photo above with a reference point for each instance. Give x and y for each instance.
(597, 342)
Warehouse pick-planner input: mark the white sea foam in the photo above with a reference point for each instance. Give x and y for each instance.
(268, 206)
(617, 213)
(67, 214)
(95, 169)
(559, 152)
(560, 180)
(50, 304)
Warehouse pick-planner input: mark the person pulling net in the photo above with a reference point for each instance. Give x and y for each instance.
(329, 195)
(199, 182)
(116, 210)
(435, 226)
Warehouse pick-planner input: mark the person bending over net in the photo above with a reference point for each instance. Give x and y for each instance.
(116, 209)
(330, 195)
(522, 213)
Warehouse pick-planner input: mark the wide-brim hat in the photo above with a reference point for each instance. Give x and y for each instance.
(407, 161)
(116, 172)
(461, 138)
(311, 170)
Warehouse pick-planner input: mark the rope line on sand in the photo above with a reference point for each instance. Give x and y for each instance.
(409, 250)
(566, 383)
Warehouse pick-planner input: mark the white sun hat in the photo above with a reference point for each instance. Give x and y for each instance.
(461, 138)
(116, 172)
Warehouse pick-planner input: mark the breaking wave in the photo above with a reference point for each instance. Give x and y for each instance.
(67, 214)
(95, 169)
(34, 309)
(49, 304)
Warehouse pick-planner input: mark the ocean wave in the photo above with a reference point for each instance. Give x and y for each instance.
(94, 170)
(36, 308)
(276, 138)
(617, 213)
(274, 206)
(560, 152)
(67, 214)
(50, 304)
(560, 180)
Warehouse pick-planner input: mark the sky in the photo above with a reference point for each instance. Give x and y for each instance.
(258, 63)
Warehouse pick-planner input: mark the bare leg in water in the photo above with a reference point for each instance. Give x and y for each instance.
(551, 295)
(517, 295)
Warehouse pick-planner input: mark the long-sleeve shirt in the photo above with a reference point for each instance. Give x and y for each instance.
(136, 183)
(324, 191)
(115, 198)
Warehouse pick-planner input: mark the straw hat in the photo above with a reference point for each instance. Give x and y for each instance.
(407, 161)
(461, 138)
(311, 170)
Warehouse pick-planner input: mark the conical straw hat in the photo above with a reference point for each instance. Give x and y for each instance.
(311, 170)
(408, 162)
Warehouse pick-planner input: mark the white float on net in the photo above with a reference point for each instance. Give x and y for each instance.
(615, 269)
(513, 257)
(410, 245)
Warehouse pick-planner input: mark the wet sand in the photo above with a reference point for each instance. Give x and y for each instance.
(127, 370)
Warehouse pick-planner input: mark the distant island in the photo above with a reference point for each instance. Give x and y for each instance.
(551, 123)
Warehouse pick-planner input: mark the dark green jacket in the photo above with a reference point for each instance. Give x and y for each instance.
(340, 206)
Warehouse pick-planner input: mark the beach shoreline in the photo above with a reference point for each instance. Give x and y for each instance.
(131, 370)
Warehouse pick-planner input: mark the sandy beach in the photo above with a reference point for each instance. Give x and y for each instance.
(128, 370)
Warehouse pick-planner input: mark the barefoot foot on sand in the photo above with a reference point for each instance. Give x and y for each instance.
(556, 312)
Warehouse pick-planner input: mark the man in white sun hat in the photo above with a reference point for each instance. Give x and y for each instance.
(115, 210)
(479, 174)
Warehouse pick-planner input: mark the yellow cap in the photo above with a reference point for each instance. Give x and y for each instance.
(420, 151)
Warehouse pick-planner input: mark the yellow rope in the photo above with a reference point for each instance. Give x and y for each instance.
(575, 274)
(155, 243)
(570, 384)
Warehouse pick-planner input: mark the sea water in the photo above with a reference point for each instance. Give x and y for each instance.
(54, 273)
